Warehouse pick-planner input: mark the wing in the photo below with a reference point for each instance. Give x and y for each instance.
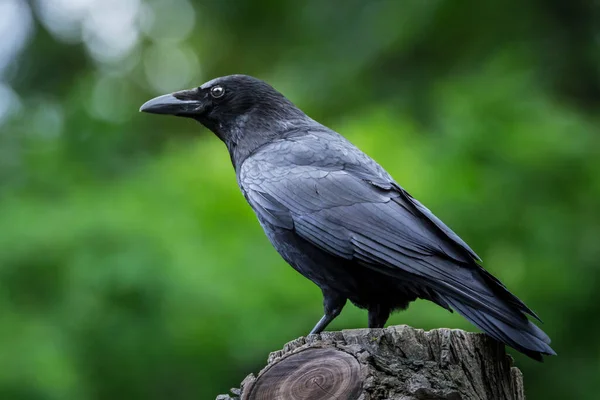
(339, 199)
(353, 218)
(321, 181)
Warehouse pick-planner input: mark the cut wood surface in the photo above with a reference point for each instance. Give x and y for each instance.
(398, 362)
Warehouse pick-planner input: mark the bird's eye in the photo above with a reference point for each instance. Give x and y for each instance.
(217, 91)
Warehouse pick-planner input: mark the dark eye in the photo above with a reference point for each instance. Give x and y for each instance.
(217, 91)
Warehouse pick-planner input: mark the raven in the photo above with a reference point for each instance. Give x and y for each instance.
(339, 219)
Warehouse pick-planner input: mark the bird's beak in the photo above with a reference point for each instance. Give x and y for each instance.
(179, 103)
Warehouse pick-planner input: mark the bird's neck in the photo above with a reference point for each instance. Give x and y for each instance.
(245, 134)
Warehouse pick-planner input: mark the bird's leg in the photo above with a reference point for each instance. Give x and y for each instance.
(378, 316)
(333, 304)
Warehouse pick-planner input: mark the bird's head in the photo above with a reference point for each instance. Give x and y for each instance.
(229, 105)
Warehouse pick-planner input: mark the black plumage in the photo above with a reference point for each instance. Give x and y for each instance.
(341, 220)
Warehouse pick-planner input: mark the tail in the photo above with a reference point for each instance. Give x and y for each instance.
(519, 333)
(500, 314)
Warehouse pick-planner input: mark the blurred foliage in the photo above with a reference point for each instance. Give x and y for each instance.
(130, 265)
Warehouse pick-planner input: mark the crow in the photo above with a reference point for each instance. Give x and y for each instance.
(339, 219)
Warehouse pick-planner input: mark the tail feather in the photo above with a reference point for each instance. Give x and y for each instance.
(501, 290)
(487, 303)
(526, 338)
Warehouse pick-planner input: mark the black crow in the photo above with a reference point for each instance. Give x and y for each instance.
(338, 218)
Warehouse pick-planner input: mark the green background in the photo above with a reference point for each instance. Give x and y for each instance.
(131, 266)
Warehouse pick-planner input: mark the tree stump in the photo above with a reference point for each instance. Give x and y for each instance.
(395, 363)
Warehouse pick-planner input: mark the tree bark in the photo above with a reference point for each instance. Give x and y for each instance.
(395, 363)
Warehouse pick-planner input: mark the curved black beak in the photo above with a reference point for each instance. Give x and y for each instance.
(178, 103)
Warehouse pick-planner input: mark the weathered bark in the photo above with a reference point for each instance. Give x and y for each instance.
(398, 362)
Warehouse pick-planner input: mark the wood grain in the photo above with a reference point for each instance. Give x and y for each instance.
(395, 363)
(311, 374)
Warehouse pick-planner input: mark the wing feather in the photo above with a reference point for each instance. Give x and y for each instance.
(350, 207)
